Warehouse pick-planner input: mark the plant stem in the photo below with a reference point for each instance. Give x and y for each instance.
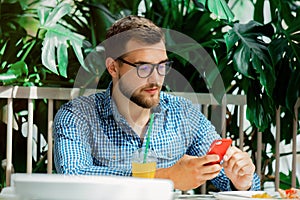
(28, 50)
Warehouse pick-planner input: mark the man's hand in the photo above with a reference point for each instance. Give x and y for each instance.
(239, 168)
(190, 171)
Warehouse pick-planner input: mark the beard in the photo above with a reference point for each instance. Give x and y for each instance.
(138, 98)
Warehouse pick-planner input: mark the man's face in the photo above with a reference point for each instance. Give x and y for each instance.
(142, 91)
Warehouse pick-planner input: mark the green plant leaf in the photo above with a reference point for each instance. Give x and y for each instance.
(57, 13)
(231, 39)
(286, 179)
(259, 11)
(285, 11)
(286, 126)
(43, 14)
(55, 44)
(102, 19)
(286, 40)
(276, 49)
(293, 36)
(200, 26)
(251, 52)
(219, 8)
(48, 52)
(259, 109)
(15, 73)
(77, 45)
(62, 56)
(293, 89)
(285, 53)
(241, 60)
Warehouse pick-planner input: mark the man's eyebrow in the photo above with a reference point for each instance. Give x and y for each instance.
(144, 62)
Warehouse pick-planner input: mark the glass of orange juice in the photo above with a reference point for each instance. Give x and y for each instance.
(144, 167)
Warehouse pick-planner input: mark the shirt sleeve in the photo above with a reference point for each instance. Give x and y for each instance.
(72, 151)
(224, 184)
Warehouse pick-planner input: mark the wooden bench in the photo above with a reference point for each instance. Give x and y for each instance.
(207, 101)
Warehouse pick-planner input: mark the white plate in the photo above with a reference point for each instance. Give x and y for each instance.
(236, 195)
(63, 187)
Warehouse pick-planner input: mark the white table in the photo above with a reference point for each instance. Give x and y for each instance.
(66, 187)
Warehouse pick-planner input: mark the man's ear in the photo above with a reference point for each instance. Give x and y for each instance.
(111, 67)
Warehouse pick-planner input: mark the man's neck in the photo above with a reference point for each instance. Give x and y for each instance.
(136, 116)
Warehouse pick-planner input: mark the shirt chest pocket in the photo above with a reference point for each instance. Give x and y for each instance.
(169, 152)
(114, 157)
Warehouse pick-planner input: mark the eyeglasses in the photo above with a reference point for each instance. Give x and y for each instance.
(144, 70)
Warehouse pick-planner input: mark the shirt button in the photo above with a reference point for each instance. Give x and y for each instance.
(117, 118)
(114, 157)
(170, 155)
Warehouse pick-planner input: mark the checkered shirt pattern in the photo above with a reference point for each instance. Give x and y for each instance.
(91, 137)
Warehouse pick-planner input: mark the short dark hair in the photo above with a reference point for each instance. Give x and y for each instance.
(131, 27)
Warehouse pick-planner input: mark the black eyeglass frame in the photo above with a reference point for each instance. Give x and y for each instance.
(168, 63)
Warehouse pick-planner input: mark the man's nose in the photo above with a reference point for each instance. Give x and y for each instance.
(154, 76)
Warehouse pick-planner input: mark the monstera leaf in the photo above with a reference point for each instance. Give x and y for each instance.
(246, 43)
(251, 53)
(57, 40)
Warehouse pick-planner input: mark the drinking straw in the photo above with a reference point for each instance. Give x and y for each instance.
(148, 137)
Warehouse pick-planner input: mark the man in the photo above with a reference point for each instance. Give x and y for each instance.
(98, 134)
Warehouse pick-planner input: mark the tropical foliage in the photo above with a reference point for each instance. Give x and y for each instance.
(45, 45)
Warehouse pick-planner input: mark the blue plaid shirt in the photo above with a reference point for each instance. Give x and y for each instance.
(91, 137)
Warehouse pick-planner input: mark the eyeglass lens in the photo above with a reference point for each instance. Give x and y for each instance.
(145, 70)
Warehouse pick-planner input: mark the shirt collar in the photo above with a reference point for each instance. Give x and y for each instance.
(107, 101)
(163, 103)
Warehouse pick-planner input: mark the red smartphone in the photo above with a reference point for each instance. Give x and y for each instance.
(219, 147)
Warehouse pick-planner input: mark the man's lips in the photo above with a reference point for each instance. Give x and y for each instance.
(151, 90)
